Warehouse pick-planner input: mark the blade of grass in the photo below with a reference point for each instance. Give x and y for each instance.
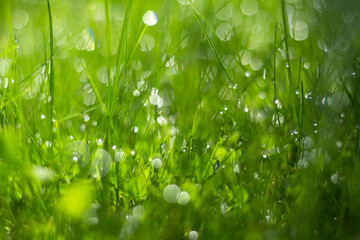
(212, 47)
(51, 80)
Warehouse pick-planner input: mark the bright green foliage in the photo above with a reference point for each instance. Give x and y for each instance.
(179, 119)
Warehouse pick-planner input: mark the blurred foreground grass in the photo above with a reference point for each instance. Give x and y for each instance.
(179, 119)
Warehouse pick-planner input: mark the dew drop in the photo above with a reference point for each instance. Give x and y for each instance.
(150, 18)
(171, 193)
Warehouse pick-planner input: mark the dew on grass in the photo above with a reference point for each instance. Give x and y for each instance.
(85, 40)
(185, 2)
(48, 144)
(150, 18)
(86, 117)
(99, 141)
(101, 164)
(138, 212)
(339, 144)
(119, 155)
(335, 178)
(147, 43)
(300, 31)
(256, 64)
(4, 82)
(193, 235)
(308, 143)
(246, 109)
(306, 65)
(245, 57)
(136, 93)
(132, 152)
(20, 18)
(135, 129)
(236, 168)
(225, 12)
(82, 127)
(171, 193)
(77, 151)
(256, 175)
(42, 116)
(262, 95)
(224, 208)
(141, 85)
(94, 123)
(153, 98)
(224, 31)
(249, 7)
(102, 74)
(161, 120)
(42, 173)
(183, 198)
(156, 163)
(136, 65)
(89, 98)
(247, 74)
(278, 104)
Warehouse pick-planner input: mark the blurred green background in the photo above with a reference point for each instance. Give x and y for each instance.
(199, 119)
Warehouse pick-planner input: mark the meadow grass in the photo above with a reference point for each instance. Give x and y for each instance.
(200, 120)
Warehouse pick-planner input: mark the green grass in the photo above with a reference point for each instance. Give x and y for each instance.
(252, 110)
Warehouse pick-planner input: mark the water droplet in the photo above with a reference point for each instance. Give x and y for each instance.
(82, 127)
(156, 163)
(306, 65)
(147, 43)
(171, 193)
(138, 212)
(246, 109)
(20, 18)
(161, 120)
(99, 141)
(42, 116)
(86, 118)
(193, 235)
(338, 144)
(256, 64)
(101, 163)
(183, 198)
(94, 123)
(335, 178)
(136, 65)
(308, 143)
(153, 99)
(262, 95)
(224, 207)
(133, 152)
(224, 31)
(245, 57)
(89, 98)
(135, 129)
(248, 74)
(300, 31)
(236, 169)
(150, 18)
(249, 7)
(185, 2)
(42, 173)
